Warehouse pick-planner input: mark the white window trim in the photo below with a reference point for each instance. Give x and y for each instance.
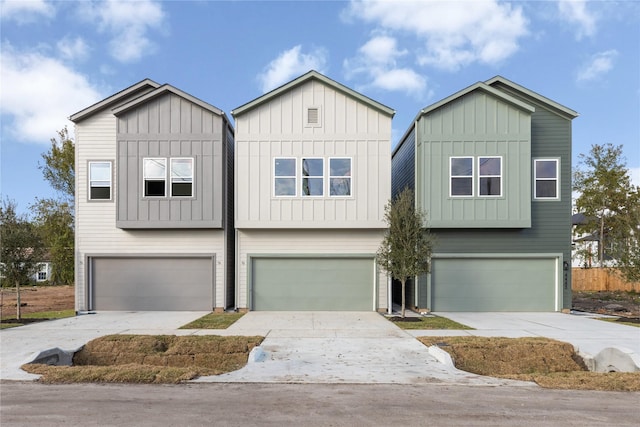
(557, 178)
(144, 177)
(340, 176)
(89, 180)
(193, 168)
(323, 176)
(43, 268)
(501, 176)
(295, 177)
(473, 167)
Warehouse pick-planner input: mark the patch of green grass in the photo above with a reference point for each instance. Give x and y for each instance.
(214, 321)
(435, 322)
(4, 325)
(620, 321)
(12, 322)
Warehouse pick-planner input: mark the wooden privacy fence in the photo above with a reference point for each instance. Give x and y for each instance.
(600, 279)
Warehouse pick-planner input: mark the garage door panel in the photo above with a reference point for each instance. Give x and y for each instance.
(152, 284)
(312, 284)
(493, 284)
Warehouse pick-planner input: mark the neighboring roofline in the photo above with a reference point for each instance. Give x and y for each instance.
(558, 108)
(477, 86)
(166, 88)
(303, 79)
(109, 101)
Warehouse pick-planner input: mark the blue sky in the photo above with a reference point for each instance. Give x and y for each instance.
(59, 57)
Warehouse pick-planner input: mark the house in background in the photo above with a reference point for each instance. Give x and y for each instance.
(312, 177)
(154, 202)
(491, 166)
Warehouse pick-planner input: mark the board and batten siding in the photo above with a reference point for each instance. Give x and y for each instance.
(476, 124)
(307, 243)
(347, 128)
(168, 127)
(96, 231)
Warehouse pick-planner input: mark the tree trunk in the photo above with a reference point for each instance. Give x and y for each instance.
(403, 281)
(601, 239)
(18, 300)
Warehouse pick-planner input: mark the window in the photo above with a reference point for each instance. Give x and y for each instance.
(155, 177)
(42, 273)
(312, 177)
(546, 178)
(490, 176)
(99, 180)
(182, 177)
(284, 177)
(461, 176)
(340, 177)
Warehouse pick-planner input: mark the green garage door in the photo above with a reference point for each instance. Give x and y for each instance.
(152, 283)
(321, 284)
(490, 284)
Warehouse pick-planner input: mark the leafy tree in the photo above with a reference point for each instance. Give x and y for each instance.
(21, 249)
(611, 206)
(55, 217)
(406, 249)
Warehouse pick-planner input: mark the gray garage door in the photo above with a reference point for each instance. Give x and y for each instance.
(150, 284)
(323, 284)
(493, 284)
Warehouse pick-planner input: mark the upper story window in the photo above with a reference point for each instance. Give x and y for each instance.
(155, 177)
(339, 176)
(546, 178)
(182, 177)
(461, 176)
(490, 176)
(100, 181)
(284, 177)
(313, 177)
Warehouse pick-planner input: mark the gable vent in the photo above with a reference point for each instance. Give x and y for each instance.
(312, 116)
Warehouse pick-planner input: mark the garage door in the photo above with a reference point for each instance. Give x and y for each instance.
(323, 284)
(152, 284)
(493, 284)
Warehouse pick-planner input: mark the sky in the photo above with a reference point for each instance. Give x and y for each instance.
(59, 57)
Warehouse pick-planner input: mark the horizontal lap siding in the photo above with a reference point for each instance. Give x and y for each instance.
(403, 165)
(305, 242)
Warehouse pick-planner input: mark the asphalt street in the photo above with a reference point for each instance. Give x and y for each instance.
(35, 404)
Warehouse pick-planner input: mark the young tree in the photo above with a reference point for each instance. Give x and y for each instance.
(21, 248)
(611, 206)
(406, 249)
(59, 165)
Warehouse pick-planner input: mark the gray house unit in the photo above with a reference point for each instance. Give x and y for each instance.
(491, 166)
(154, 202)
(313, 173)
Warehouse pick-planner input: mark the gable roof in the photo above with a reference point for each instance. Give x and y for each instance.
(559, 109)
(141, 86)
(162, 90)
(312, 75)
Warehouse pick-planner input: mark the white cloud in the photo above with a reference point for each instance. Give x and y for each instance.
(452, 34)
(291, 63)
(26, 11)
(73, 48)
(634, 173)
(128, 23)
(597, 66)
(576, 13)
(39, 93)
(377, 60)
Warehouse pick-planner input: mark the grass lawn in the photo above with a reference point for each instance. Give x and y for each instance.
(435, 322)
(621, 321)
(214, 321)
(12, 322)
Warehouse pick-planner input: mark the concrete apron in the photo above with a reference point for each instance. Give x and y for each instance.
(340, 347)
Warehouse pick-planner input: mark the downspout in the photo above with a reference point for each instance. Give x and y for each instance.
(389, 299)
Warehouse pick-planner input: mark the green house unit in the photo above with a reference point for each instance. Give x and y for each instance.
(491, 166)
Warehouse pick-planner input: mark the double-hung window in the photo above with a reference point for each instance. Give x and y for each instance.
(339, 176)
(155, 177)
(284, 177)
(312, 177)
(490, 176)
(100, 181)
(546, 178)
(182, 177)
(461, 176)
